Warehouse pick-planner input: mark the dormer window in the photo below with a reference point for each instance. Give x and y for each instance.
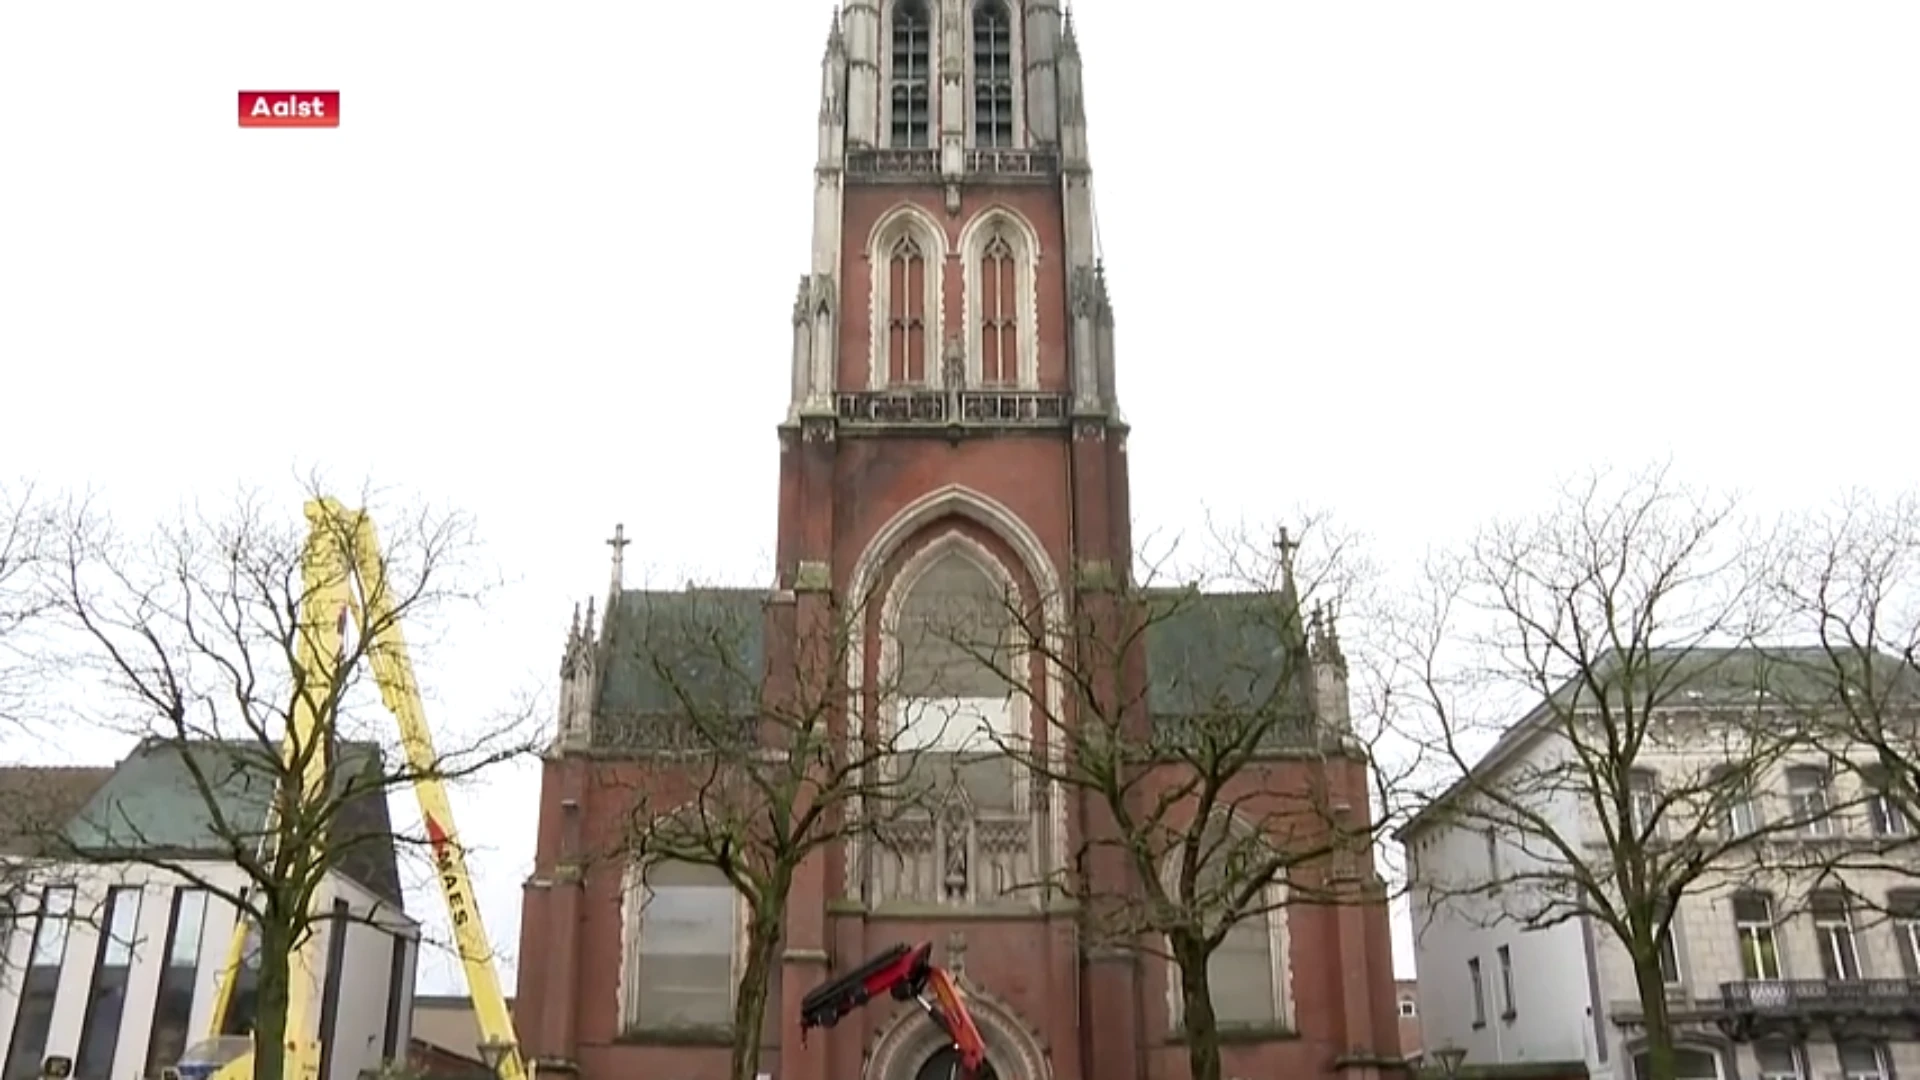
(910, 98)
(992, 74)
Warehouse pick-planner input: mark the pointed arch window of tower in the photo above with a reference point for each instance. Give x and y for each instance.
(992, 74)
(906, 312)
(910, 92)
(999, 303)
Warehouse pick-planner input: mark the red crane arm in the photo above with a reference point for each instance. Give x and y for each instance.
(907, 973)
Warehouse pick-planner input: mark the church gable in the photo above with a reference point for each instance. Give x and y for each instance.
(676, 663)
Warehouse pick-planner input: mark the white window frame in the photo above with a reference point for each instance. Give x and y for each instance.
(1794, 1056)
(1882, 1071)
(1277, 947)
(1810, 794)
(635, 894)
(1839, 945)
(1748, 935)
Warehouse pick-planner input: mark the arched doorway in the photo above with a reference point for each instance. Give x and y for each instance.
(943, 1065)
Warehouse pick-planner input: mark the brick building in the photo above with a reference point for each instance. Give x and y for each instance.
(953, 432)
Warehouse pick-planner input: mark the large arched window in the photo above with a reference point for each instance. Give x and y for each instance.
(955, 630)
(993, 121)
(910, 81)
(1001, 309)
(906, 257)
(682, 930)
(1248, 973)
(954, 710)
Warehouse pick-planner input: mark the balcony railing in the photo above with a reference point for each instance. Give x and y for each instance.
(1760, 1008)
(992, 164)
(1813, 995)
(953, 408)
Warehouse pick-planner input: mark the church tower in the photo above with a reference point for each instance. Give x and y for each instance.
(953, 441)
(954, 436)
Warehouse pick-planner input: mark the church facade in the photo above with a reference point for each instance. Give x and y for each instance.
(954, 433)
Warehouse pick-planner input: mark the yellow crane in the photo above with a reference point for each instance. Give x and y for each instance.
(343, 552)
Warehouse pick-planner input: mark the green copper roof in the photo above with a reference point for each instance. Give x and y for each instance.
(153, 804)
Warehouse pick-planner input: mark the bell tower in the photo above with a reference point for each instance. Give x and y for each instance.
(953, 423)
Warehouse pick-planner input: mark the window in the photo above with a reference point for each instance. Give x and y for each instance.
(1507, 1009)
(173, 1005)
(1903, 905)
(396, 997)
(107, 1002)
(1245, 974)
(1408, 1008)
(1885, 815)
(1862, 1061)
(1807, 794)
(992, 74)
(910, 99)
(1777, 1060)
(243, 1005)
(907, 292)
(1643, 803)
(1479, 992)
(999, 299)
(1665, 947)
(1839, 959)
(1742, 809)
(1753, 926)
(683, 946)
(1493, 860)
(40, 984)
(1689, 1063)
(999, 308)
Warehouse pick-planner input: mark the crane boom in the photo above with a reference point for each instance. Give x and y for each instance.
(908, 974)
(342, 551)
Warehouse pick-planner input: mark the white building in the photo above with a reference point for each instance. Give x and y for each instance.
(115, 964)
(1765, 981)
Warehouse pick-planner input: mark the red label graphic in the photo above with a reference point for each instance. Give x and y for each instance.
(290, 108)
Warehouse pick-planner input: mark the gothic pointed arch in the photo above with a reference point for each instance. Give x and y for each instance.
(905, 251)
(906, 1043)
(1001, 253)
(955, 679)
(907, 66)
(992, 826)
(1250, 974)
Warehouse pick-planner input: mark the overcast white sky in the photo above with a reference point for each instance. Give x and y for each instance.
(1404, 260)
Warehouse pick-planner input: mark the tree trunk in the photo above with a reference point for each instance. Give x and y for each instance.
(270, 1011)
(1653, 1008)
(764, 932)
(1196, 1010)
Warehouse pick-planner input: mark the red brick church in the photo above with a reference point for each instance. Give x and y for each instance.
(954, 428)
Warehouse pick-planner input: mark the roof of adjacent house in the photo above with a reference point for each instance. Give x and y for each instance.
(153, 803)
(1790, 677)
(36, 801)
(669, 652)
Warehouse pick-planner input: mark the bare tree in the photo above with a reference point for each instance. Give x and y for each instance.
(23, 527)
(735, 713)
(1203, 726)
(1618, 627)
(1851, 586)
(218, 639)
